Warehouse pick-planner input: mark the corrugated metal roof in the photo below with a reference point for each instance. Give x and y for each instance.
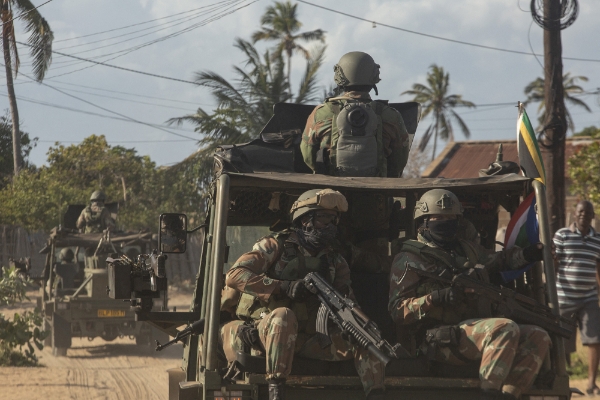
(465, 159)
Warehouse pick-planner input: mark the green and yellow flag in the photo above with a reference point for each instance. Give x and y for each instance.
(530, 157)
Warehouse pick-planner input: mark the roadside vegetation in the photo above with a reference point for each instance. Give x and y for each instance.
(22, 334)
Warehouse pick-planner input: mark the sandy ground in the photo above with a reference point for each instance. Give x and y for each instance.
(96, 369)
(108, 370)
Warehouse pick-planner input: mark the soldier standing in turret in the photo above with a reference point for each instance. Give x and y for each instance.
(280, 313)
(444, 322)
(95, 218)
(353, 135)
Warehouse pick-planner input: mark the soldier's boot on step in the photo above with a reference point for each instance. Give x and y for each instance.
(276, 389)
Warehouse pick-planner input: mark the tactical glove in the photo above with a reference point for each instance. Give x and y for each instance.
(447, 296)
(295, 290)
(534, 253)
(248, 334)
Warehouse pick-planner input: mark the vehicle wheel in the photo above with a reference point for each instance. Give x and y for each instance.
(59, 351)
(143, 339)
(61, 335)
(159, 335)
(48, 328)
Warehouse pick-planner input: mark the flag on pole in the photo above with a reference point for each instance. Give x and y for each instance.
(530, 157)
(523, 230)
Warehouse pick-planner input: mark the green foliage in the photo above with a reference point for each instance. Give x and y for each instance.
(245, 107)
(584, 170)
(280, 23)
(23, 331)
(578, 368)
(6, 152)
(535, 93)
(38, 198)
(436, 101)
(590, 131)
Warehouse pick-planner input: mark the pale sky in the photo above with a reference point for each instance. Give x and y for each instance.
(482, 76)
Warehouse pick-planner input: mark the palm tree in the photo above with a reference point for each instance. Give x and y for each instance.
(535, 93)
(280, 23)
(244, 107)
(435, 100)
(40, 41)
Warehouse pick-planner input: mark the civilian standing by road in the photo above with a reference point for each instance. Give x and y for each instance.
(578, 277)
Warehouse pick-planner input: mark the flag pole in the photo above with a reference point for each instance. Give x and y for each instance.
(549, 272)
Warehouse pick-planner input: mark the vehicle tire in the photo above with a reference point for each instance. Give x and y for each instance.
(159, 335)
(61, 335)
(143, 339)
(48, 328)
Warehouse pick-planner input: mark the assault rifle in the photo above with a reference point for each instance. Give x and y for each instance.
(196, 328)
(350, 319)
(507, 302)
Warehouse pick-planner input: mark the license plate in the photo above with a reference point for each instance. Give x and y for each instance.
(111, 313)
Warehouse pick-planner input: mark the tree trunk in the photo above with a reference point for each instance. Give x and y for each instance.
(12, 99)
(552, 143)
(437, 122)
(289, 72)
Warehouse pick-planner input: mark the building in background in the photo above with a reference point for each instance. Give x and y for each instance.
(465, 159)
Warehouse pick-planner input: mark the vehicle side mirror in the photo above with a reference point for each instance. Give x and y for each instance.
(172, 237)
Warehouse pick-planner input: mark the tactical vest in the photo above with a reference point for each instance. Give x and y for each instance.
(437, 256)
(296, 266)
(93, 220)
(356, 137)
(444, 261)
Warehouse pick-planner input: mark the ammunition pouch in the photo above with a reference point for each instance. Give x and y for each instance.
(248, 334)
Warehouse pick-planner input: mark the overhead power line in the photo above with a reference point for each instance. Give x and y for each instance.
(435, 36)
(117, 67)
(52, 105)
(27, 12)
(109, 111)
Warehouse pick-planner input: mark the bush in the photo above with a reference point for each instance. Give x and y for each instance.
(18, 335)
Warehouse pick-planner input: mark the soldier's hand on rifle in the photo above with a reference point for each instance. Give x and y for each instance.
(447, 296)
(295, 290)
(534, 253)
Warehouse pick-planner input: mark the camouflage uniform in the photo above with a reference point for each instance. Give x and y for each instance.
(286, 327)
(95, 219)
(511, 354)
(318, 132)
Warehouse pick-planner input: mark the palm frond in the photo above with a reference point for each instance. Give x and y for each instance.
(425, 139)
(40, 37)
(308, 85)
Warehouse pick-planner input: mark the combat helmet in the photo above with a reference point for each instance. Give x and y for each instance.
(438, 202)
(98, 196)
(66, 254)
(356, 68)
(318, 199)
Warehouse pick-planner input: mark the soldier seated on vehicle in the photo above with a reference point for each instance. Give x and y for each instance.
(510, 354)
(66, 270)
(95, 218)
(279, 310)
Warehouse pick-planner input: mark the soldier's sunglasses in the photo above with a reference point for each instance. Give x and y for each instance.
(326, 218)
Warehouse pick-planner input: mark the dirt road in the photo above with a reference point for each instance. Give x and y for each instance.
(95, 370)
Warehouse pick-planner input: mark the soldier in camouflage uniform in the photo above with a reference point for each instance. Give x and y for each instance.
(425, 311)
(353, 135)
(95, 218)
(279, 312)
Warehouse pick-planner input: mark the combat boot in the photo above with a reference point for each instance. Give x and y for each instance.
(276, 389)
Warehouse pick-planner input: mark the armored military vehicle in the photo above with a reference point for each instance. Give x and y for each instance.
(254, 187)
(74, 300)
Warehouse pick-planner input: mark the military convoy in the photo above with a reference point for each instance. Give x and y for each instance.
(74, 299)
(254, 187)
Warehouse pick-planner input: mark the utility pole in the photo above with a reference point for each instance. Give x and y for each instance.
(555, 127)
